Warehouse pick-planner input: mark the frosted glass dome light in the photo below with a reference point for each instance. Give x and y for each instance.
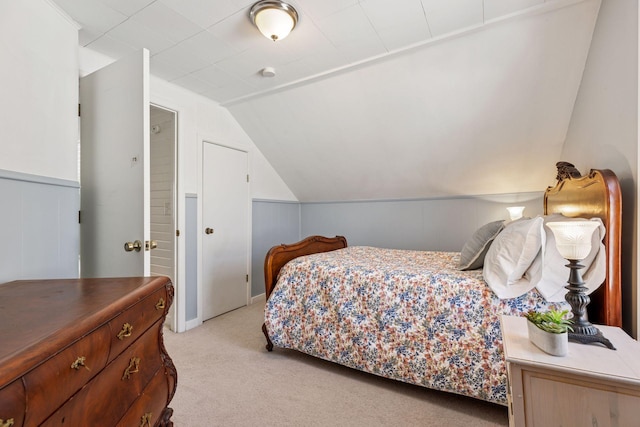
(573, 238)
(274, 19)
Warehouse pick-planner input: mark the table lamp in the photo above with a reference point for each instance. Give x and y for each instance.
(515, 212)
(573, 240)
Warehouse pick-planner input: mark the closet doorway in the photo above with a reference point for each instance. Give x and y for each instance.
(163, 161)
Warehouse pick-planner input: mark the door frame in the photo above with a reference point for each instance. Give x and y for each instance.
(178, 322)
(205, 139)
(174, 310)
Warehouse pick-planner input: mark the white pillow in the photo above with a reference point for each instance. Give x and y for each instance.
(550, 274)
(510, 256)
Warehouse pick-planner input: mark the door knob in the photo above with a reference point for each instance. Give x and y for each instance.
(133, 246)
(208, 230)
(150, 244)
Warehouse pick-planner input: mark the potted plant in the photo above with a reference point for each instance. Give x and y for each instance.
(549, 331)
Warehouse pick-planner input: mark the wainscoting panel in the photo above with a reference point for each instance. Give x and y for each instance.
(273, 223)
(191, 256)
(39, 228)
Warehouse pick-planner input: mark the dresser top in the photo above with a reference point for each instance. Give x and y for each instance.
(590, 360)
(58, 312)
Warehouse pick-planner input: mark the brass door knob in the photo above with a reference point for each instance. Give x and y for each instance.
(150, 244)
(208, 230)
(133, 246)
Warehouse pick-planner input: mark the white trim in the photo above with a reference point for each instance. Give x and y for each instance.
(258, 299)
(199, 178)
(193, 323)
(37, 179)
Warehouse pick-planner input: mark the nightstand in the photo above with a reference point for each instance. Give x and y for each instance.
(590, 386)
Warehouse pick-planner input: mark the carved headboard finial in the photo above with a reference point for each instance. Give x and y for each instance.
(567, 170)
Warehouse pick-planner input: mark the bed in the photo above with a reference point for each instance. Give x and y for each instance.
(414, 316)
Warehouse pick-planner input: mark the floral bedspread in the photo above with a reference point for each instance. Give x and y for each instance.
(407, 315)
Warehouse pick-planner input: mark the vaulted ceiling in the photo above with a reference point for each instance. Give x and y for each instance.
(374, 99)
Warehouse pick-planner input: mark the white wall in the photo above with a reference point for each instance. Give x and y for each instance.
(200, 118)
(603, 132)
(39, 93)
(38, 142)
(205, 119)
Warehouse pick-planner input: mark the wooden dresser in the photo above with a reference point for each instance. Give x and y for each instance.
(85, 352)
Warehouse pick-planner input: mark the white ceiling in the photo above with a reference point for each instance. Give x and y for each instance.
(211, 47)
(375, 99)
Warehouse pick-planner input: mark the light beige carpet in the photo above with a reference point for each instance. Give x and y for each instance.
(227, 378)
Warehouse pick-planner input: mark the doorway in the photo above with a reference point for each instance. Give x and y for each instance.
(163, 148)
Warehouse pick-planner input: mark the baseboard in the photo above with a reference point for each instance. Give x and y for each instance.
(258, 299)
(193, 323)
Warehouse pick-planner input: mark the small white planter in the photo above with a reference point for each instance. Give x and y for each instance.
(554, 344)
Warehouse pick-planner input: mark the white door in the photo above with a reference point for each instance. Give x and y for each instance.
(114, 165)
(225, 205)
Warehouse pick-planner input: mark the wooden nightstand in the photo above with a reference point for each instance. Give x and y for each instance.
(590, 386)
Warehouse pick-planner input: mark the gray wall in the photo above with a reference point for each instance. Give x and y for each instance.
(40, 233)
(425, 224)
(273, 223)
(191, 256)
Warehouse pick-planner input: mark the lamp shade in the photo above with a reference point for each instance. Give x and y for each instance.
(515, 212)
(573, 238)
(274, 19)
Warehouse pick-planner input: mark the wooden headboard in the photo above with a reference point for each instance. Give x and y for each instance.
(595, 195)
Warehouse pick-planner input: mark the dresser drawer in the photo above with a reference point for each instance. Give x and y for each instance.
(12, 404)
(49, 385)
(133, 322)
(149, 407)
(107, 397)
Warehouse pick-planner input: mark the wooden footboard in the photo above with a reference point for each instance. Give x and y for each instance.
(279, 255)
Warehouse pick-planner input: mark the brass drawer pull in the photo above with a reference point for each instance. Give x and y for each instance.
(134, 364)
(126, 331)
(160, 304)
(79, 363)
(7, 423)
(145, 420)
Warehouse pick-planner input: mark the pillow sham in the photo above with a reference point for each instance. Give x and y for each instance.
(550, 274)
(475, 249)
(510, 256)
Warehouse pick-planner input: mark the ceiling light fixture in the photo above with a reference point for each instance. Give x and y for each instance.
(274, 19)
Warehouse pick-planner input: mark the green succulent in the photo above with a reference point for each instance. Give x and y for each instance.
(553, 321)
